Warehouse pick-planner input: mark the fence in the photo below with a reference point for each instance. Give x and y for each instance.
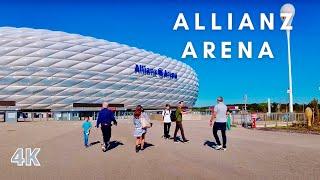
(263, 119)
(270, 119)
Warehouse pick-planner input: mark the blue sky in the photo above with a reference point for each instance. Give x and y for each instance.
(148, 25)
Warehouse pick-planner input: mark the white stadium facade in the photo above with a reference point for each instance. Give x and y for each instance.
(66, 74)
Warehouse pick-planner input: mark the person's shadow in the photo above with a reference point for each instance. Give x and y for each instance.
(114, 144)
(147, 145)
(94, 143)
(210, 144)
(178, 138)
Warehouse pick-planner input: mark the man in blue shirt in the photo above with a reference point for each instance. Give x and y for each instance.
(105, 118)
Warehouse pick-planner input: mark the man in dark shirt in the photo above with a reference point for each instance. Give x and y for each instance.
(105, 118)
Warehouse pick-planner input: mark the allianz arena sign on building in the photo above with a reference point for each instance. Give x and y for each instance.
(155, 72)
(46, 69)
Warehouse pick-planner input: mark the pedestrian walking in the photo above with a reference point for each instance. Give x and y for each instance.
(86, 126)
(166, 117)
(105, 119)
(219, 116)
(141, 122)
(179, 126)
(229, 120)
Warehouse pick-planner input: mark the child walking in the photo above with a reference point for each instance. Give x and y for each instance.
(86, 126)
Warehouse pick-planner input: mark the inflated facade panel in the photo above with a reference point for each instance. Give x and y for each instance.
(53, 70)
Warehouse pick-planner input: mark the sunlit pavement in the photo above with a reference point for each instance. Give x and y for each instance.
(251, 154)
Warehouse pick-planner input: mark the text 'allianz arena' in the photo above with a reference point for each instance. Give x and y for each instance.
(52, 70)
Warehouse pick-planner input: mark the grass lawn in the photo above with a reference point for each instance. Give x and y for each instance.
(294, 129)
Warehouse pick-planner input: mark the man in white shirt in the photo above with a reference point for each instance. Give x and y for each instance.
(166, 116)
(219, 116)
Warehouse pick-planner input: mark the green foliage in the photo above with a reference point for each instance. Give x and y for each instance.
(200, 109)
(275, 107)
(315, 108)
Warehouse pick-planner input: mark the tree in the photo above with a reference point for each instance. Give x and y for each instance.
(263, 107)
(274, 107)
(315, 108)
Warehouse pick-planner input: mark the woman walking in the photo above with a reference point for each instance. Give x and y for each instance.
(139, 130)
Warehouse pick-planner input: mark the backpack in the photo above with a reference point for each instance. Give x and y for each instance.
(173, 116)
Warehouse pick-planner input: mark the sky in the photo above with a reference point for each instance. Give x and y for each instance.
(148, 25)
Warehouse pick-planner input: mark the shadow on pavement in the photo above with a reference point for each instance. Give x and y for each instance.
(94, 143)
(114, 144)
(147, 145)
(210, 144)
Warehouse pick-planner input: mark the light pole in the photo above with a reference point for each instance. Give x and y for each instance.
(269, 106)
(245, 99)
(289, 8)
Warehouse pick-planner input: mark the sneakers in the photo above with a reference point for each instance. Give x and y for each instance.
(186, 141)
(104, 147)
(137, 149)
(218, 147)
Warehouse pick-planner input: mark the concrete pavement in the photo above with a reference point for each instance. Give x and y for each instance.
(251, 154)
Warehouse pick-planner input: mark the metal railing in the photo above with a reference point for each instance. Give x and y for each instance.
(270, 119)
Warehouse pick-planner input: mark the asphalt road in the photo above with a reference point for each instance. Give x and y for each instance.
(251, 154)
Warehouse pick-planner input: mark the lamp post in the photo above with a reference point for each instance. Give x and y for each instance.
(245, 99)
(289, 8)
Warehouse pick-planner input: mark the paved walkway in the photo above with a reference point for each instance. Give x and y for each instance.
(251, 154)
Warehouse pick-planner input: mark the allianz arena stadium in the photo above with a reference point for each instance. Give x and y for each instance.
(43, 69)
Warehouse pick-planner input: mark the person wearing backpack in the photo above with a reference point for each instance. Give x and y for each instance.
(166, 117)
(179, 126)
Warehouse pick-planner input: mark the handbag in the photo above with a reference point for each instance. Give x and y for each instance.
(145, 122)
